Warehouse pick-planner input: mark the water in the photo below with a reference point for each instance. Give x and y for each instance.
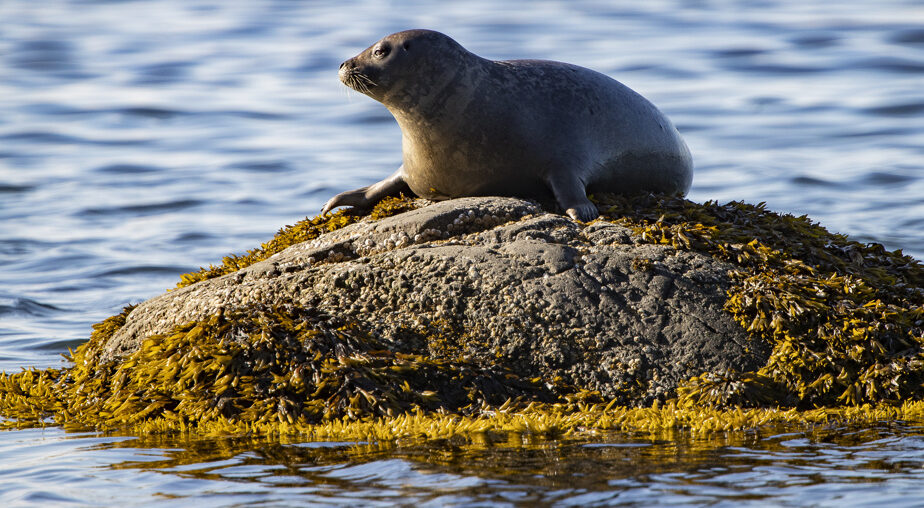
(141, 140)
(828, 467)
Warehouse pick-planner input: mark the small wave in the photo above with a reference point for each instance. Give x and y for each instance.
(891, 64)
(127, 169)
(150, 112)
(163, 73)
(246, 30)
(55, 110)
(897, 109)
(53, 138)
(666, 71)
(911, 36)
(57, 346)
(816, 182)
(916, 224)
(194, 238)
(737, 52)
(253, 115)
(28, 307)
(23, 246)
(771, 68)
(316, 190)
(44, 56)
(817, 40)
(868, 133)
(150, 208)
(52, 109)
(42, 137)
(882, 178)
(6, 188)
(144, 270)
(166, 114)
(262, 166)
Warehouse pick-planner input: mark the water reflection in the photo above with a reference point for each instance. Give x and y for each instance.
(775, 466)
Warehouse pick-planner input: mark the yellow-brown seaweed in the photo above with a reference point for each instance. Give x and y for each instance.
(845, 320)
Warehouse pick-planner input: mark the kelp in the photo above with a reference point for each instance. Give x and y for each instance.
(845, 321)
(268, 366)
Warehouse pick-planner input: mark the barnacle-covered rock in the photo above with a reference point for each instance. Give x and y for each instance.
(496, 283)
(480, 306)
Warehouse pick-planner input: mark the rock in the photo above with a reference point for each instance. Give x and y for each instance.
(490, 307)
(497, 282)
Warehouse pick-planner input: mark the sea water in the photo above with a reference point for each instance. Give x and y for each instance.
(141, 140)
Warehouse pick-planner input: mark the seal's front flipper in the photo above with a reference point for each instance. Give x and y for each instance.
(349, 198)
(571, 195)
(366, 197)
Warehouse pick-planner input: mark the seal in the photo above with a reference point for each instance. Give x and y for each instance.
(525, 128)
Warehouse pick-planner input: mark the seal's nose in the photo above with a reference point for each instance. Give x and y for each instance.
(344, 71)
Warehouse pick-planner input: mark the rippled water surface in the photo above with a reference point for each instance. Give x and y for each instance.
(880, 466)
(141, 140)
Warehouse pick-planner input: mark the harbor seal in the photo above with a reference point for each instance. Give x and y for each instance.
(526, 128)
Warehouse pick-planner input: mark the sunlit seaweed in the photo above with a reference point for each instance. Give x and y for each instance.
(265, 367)
(846, 322)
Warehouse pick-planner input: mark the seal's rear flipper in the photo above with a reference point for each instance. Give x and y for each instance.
(571, 195)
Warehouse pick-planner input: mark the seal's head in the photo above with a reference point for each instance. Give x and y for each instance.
(413, 63)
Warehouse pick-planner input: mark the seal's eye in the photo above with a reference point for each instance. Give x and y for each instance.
(407, 46)
(380, 52)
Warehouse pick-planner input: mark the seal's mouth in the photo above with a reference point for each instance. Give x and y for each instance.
(353, 78)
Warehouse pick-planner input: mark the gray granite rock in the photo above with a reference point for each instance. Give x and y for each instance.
(511, 285)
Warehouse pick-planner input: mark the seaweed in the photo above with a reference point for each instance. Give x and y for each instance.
(285, 366)
(845, 320)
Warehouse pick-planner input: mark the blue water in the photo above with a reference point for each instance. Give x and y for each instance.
(141, 140)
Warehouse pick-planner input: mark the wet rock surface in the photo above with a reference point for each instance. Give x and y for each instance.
(496, 282)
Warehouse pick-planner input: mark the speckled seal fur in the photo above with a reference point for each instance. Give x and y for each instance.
(528, 128)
